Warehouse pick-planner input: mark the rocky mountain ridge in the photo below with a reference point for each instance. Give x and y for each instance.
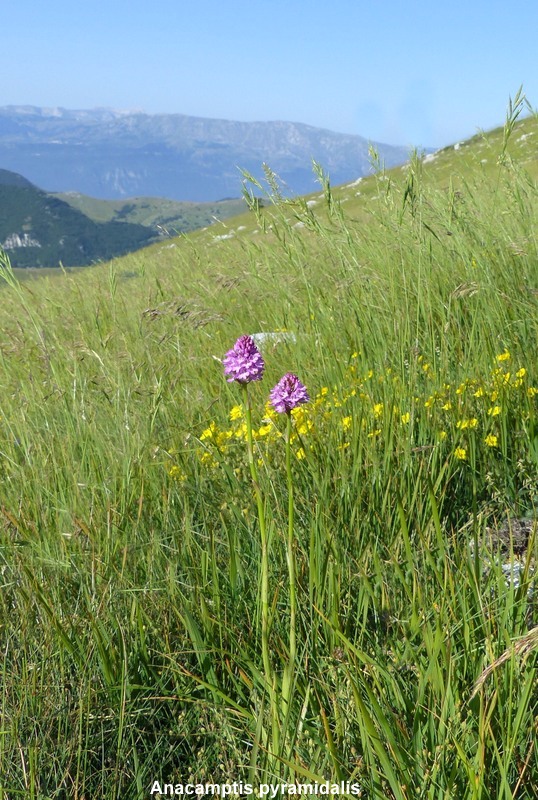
(114, 154)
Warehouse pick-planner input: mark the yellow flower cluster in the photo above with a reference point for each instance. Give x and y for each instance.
(176, 473)
(448, 415)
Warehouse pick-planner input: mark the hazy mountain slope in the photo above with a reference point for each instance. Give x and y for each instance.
(472, 158)
(12, 179)
(454, 170)
(111, 154)
(39, 230)
(158, 213)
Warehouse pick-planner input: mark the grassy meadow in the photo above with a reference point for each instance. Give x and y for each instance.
(172, 216)
(131, 564)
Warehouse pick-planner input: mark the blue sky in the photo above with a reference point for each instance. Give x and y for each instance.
(411, 73)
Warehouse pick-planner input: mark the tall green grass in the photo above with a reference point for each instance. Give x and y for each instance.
(129, 548)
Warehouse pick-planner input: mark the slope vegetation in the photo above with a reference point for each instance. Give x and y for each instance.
(41, 230)
(196, 588)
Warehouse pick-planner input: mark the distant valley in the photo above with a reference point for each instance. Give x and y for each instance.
(40, 229)
(117, 155)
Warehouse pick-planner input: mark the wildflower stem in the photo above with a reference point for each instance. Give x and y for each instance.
(264, 582)
(286, 688)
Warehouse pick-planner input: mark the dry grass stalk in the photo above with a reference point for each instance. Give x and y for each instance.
(523, 647)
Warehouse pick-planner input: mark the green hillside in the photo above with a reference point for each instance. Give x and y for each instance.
(13, 179)
(197, 588)
(474, 161)
(160, 214)
(40, 230)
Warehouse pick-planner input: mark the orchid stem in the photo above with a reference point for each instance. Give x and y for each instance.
(264, 583)
(291, 560)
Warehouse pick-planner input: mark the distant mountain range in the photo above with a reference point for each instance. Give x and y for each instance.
(112, 154)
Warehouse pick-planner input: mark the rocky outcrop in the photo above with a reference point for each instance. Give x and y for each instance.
(15, 240)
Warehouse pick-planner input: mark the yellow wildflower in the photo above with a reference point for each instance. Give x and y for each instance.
(494, 411)
(460, 453)
(176, 473)
(375, 433)
(491, 440)
(269, 413)
(264, 430)
(378, 409)
(405, 418)
(236, 413)
(241, 431)
(208, 459)
(518, 378)
(210, 433)
(222, 437)
(462, 424)
(346, 423)
(503, 356)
